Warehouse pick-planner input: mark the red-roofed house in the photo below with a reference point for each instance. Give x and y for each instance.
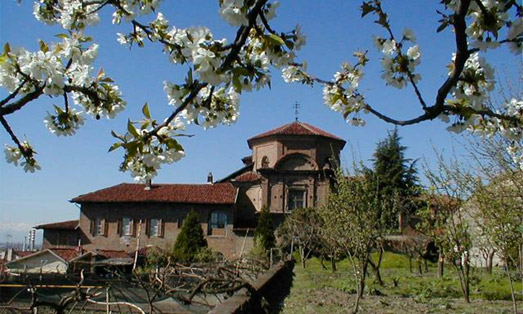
(60, 234)
(53, 260)
(290, 167)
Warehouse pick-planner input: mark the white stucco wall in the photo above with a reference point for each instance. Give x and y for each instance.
(45, 263)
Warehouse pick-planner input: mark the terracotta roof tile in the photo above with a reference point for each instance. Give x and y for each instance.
(63, 225)
(23, 253)
(297, 128)
(66, 254)
(249, 176)
(219, 193)
(113, 253)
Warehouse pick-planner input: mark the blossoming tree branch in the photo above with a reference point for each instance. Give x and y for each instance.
(219, 70)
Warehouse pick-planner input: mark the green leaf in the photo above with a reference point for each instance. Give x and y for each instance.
(43, 46)
(7, 48)
(366, 8)
(118, 136)
(100, 74)
(58, 110)
(173, 144)
(63, 36)
(237, 84)
(276, 39)
(241, 71)
(146, 112)
(442, 26)
(132, 129)
(115, 146)
(132, 148)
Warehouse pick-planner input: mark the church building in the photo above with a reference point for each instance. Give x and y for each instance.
(290, 167)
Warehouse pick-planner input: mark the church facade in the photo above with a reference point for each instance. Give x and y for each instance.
(290, 167)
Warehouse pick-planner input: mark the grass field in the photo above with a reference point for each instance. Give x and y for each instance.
(316, 290)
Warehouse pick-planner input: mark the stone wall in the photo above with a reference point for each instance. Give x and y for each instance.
(266, 296)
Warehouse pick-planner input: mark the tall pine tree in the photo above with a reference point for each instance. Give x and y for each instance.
(190, 240)
(395, 179)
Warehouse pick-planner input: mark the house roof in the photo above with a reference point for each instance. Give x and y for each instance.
(296, 128)
(63, 225)
(67, 254)
(23, 253)
(249, 176)
(219, 193)
(113, 253)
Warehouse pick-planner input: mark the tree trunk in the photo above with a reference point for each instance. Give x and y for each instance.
(361, 285)
(302, 256)
(322, 258)
(420, 269)
(441, 265)
(512, 292)
(463, 273)
(426, 264)
(376, 268)
(333, 263)
(490, 258)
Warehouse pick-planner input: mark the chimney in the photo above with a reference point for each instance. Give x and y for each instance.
(148, 184)
(210, 178)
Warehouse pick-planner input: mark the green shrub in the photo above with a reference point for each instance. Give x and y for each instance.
(264, 234)
(206, 255)
(190, 240)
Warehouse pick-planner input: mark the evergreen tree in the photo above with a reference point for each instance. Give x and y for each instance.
(395, 179)
(190, 240)
(264, 234)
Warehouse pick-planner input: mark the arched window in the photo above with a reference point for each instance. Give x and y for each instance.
(217, 223)
(265, 162)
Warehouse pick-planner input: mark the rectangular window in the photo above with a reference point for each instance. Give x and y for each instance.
(154, 227)
(127, 226)
(218, 220)
(296, 199)
(98, 226)
(218, 223)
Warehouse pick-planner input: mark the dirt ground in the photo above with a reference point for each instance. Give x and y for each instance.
(334, 301)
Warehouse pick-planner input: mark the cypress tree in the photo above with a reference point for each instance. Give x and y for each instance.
(264, 234)
(190, 240)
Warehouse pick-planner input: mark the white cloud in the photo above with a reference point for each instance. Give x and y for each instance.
(15, 226)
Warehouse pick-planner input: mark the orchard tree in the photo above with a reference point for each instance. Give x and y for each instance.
(219, 70)
(443, 218)
(497, 205)
(303, 228)
(351, 217)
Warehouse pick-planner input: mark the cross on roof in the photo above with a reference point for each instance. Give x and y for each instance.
(296, 106)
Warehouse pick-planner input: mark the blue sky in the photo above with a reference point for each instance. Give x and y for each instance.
(334, 29)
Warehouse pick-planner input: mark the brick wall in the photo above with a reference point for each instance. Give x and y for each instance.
(224, 241)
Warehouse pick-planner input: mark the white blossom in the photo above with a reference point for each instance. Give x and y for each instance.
(231, 11)
(12, 154)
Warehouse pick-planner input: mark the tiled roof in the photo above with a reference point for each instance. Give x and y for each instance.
(113, 253)
(248, 177)
(296, 128)
(63, 225)
(23, 253)
(219, 193)
(66, 254)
